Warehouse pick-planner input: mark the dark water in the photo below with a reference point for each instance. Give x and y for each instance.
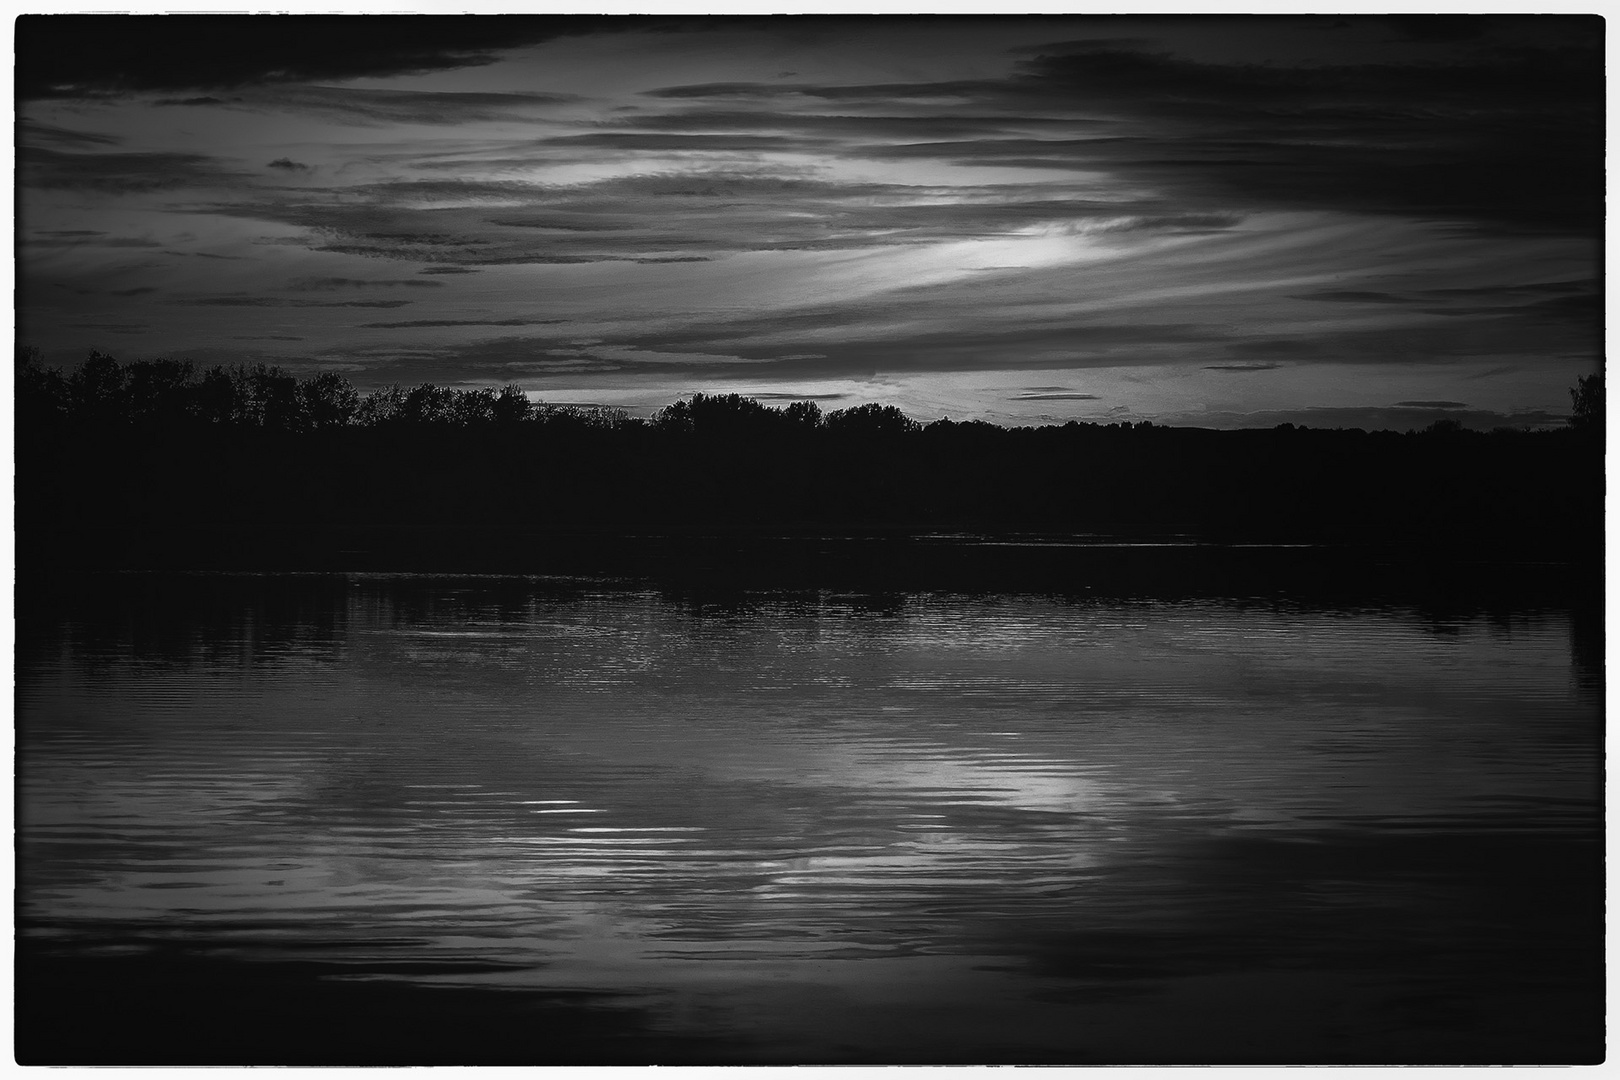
(306, 819)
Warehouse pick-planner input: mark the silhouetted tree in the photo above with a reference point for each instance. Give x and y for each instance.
(266, 397)
(720, 416)
(96, 389)
(803, 414)
(158, 391)
(428, 404)
(329, 400)
(42, 392)
(512, 405)
(473, 408)
(1587, 397)
(214, 398)
(381, 406)
(871, 420)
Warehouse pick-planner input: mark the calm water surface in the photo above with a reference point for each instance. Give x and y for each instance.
(817, 827)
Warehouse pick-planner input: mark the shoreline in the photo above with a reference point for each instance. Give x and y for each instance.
(1114, 564)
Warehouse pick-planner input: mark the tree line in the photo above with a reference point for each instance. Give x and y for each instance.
(170, 393)
(163, 392)
(158, 461)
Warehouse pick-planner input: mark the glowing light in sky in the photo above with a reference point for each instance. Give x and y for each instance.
(933, 209)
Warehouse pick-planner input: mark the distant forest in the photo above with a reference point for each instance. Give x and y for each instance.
(157, 463)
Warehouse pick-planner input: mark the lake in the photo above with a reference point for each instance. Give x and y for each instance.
(409, 819)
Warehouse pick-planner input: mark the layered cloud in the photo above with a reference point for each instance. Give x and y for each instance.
(1205, 202)
(80, 56)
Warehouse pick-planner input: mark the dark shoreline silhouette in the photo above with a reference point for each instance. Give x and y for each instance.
(153, 465)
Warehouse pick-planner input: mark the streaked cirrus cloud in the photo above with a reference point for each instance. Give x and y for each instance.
(1155, 217)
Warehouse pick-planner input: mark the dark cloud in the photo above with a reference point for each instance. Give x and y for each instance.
(1083, 45)
(265, 337)
(72, 238)
(1443, 341)
(1509, 136)
(117, 328)
(1431, 405)
(1258, 365)
(67, 56)
(331, 284)
(1054, 396)
(493, 361)
(562, 223)
(448, 270)
(638, 143)
(883, 126)
(415, 323)
(1355, 296)
(1502, 291)
(1502, 132)
(139, 290)
(249, 300)
(34, 133)
(352, 105)
(289, 164)
(121, 173)
(1370, 418)
(727, 90)
(774, 395)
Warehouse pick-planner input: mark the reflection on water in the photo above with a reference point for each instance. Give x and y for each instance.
(813, 827)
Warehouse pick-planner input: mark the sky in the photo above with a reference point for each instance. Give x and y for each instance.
(1219, 222)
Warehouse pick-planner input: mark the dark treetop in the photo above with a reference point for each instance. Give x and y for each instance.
(156, 464)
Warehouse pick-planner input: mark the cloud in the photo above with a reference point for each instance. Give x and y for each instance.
(417, 323)
(1431, 405)
(73, 238)
(117, 328)
(1083, 45)
(67, 56)
(641, 143)
(1506, 133)
(1516, 289)
(248, 300)
(1355, 296)
(33, 133)
(122, 173)
(491, 361)
(139, 290)
(330, 284)
(682, 216)
(1369, 418)
(1054, 396)
(1172, 209)
(370, 108)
